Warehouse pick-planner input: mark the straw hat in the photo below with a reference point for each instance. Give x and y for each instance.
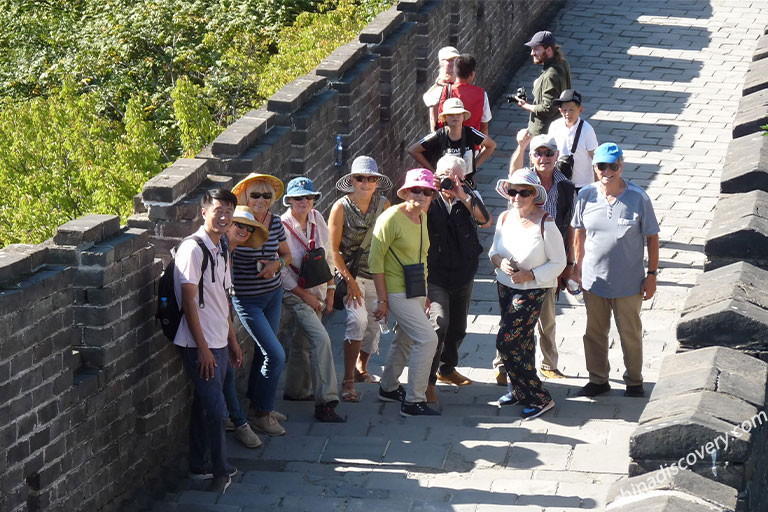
(260, 235)
(242, 186)
(454, 106)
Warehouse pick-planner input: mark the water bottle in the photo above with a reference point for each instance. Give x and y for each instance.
(384, 326)
(575, 290)
(339, 155)
(163, 303)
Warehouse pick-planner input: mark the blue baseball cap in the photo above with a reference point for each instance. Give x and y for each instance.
(607, 153)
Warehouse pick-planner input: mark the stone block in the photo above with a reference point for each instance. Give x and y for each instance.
(761, 49)
(241, 134)
(179, 179)
(756, 78)
(739, 230)
(660, 490)
(294, 94)
(752, 114)
(88, 229)
(718, 405)
(342, 59)
(382, 26)
(727, 306)
(746, 165)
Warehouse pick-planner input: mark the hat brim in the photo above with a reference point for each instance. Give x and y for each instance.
(401, 190)
(258, 238)
(467, 114)
(344, 184)
(541, 192)
(242, 185)
(318, 196)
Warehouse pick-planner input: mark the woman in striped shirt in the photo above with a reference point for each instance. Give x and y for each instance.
(257, 298)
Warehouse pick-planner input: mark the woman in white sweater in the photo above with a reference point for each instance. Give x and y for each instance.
(528, 254)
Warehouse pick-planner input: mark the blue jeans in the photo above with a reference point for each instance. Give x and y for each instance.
(209, 413)
(260, 315)
(230, 396)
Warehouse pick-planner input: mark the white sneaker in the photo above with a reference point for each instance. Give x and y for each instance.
(247, 437)
(279, 416)
(268, 425)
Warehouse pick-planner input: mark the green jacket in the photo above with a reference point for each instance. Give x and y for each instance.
(554, 79)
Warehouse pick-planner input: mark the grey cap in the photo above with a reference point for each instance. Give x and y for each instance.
(543, 141)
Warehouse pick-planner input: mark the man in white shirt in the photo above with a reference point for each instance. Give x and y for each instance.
(206, 337)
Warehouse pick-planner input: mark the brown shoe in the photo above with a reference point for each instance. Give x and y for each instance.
(552, 374)
(454, 378)
(431, 394)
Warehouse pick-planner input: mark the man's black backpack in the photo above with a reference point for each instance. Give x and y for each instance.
(169, 313)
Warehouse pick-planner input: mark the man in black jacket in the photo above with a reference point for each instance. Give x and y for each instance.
(452, 261)
(561, 197)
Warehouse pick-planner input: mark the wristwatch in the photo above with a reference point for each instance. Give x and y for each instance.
(651, 272)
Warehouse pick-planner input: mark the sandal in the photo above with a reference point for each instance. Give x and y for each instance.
(363, 376)
(349, 395)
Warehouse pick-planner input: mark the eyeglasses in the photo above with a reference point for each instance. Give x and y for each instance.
(523, 193)
(369, 179)
(541, 153)
(246, 227)
(603, 166)
(259, 195)
(299, 198)
(416, 191)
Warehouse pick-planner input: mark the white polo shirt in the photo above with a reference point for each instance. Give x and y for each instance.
(214, 317)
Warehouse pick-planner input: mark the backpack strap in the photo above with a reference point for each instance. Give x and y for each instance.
(576, 137)
(543, 218)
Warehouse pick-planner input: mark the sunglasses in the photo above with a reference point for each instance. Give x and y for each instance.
(246, 227)
(369, 179)
(603, 166)
(416, 191)
(299, 198)
(523, 193)
(541, 153)
(259, 195)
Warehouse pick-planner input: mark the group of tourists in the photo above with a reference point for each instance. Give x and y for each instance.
(572, 224)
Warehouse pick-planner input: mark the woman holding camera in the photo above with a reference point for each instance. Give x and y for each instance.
(528, 254)
(454, 249)
(397, 262)
(310, 360)
(257, 298)
(351, 223)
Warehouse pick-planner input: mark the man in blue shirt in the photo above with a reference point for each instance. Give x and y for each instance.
(613, 219)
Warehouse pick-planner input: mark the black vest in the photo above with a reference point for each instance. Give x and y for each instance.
(453, 245)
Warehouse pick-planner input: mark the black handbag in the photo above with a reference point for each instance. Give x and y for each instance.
(415, 277)
(314, 268)
(353, 264)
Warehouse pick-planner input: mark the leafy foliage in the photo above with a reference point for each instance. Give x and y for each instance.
(99, 95)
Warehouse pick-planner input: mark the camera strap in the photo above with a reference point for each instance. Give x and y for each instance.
(576, 138)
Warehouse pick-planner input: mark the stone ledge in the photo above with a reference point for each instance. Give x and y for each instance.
(746, 165)
(179, 179)
(88, 229)
(345, 57)
(241, 134)
(727, 306)
(18, 260)
(681, 492)
(739, 230)
(382, 26)
(294, 94)
(752, 114)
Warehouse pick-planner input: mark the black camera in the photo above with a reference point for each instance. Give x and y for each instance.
(520, 94)
(446, 184)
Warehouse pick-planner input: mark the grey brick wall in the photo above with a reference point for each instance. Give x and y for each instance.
(94, 400)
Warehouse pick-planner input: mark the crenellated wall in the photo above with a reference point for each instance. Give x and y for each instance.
(94, 399)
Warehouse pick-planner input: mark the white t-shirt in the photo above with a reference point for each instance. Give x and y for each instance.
(214, 317)
(582, 162)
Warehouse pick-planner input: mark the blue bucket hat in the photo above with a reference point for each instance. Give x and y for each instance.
(607, 153)
(300, 186)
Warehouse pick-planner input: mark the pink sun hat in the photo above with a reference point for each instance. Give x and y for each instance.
(421, 178)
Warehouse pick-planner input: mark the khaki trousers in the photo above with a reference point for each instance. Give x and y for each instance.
(546, 329)
(626, 313)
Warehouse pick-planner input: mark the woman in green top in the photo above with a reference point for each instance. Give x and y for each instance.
(400, 241)
(351, 219)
